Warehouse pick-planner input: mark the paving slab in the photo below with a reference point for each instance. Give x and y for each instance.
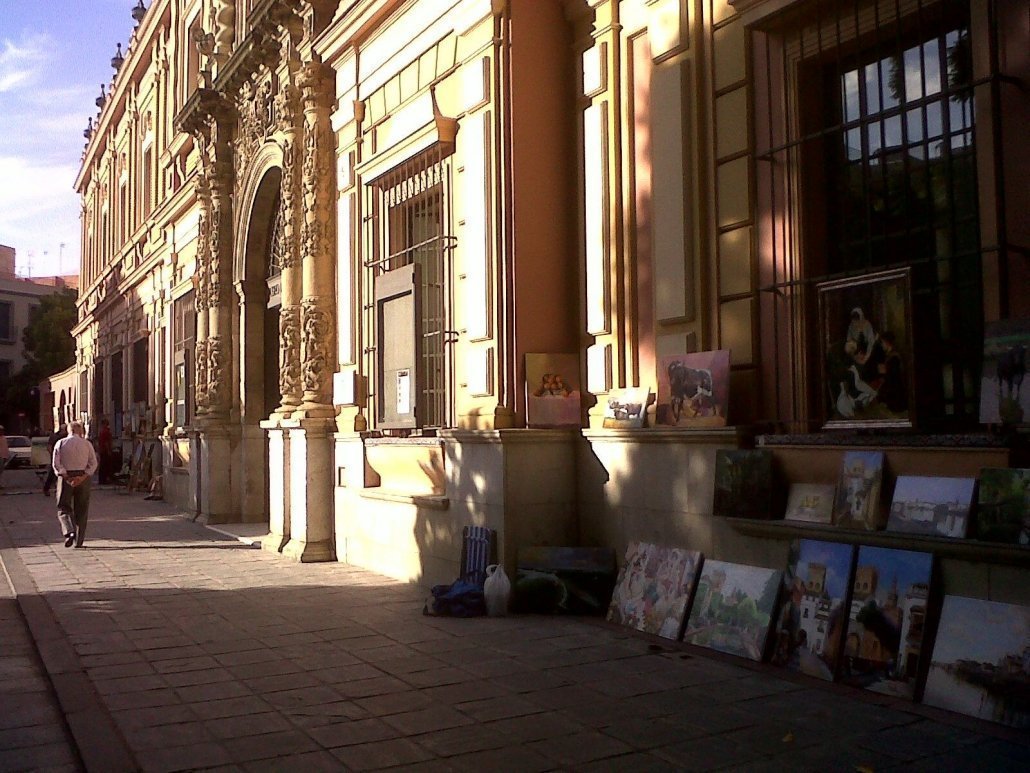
(186, 648)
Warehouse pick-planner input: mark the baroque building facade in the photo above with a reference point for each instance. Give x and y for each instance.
(383, 207)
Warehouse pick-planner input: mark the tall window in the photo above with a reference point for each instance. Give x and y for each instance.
(872, 167)
(6, 322)
(184, 322)
(148, 180)
(411, 285)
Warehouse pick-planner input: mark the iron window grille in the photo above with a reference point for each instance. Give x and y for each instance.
(867, 159)
(409, 357)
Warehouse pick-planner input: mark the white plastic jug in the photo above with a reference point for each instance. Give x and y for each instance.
(496, 590)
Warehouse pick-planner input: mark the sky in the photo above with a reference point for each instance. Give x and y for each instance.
(54, 54)
(981, 630)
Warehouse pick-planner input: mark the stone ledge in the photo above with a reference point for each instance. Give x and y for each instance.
(736, 436)
(942, 547)
(427, 501)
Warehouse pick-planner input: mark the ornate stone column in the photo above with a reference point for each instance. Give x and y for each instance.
(290, 386)
(215, 312)
(308, 448)
(318, 338)
(202, 277)
(220, 307)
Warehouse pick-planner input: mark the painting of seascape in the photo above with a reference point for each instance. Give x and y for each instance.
(938, 507)
(981, 661)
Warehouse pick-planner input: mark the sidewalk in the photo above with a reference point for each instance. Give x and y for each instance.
(190, 650)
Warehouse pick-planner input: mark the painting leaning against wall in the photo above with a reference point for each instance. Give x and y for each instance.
(981, 661)
(884, 641)
(733, 608)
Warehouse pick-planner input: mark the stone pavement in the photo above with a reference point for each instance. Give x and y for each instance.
(172, 647)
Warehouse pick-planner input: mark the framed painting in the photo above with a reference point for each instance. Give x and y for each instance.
(810, 627)
(884, 641)
(552, 386)
(1003, 506)
(626, 408)
(865, 328)
(811, 502)
(733, 608)
(1003, 398)
(655, 588)
(935, 506)
(857, 503)
(980, 665)
(744, 483)
(693, 389)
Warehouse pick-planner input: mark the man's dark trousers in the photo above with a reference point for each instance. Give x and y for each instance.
(73, 506)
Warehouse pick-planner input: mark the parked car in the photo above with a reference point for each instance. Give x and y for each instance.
(20, 451)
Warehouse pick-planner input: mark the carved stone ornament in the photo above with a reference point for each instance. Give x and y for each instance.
(317, 340)
(225, 26)
(200, 368)
(203, 258)
(214, 264)
(317, 185)
(285, 107)
(289, 352)
(255, 119)
(217, 372)
(287, 199)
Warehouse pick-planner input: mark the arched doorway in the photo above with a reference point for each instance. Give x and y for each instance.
(259, 341)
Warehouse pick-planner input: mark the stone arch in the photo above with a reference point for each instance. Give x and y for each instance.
(257, 199)
(257, 325)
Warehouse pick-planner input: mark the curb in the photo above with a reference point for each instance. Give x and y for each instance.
(97, 740)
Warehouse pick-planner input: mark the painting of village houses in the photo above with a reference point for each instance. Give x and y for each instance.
(743, 483)
(937, 507)
(981, 661)
(884, 638)
(733, 608)
(1003, 506)
(654, 589)
(810, 626)
(857, 505)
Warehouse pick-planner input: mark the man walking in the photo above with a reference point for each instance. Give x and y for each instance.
(74, 461)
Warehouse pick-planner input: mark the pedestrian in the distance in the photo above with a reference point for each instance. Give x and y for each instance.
(4, 452)
(51, 476)
(105, 444)
(74, 462)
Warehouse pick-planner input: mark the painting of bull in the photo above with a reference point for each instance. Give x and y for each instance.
(693, 389)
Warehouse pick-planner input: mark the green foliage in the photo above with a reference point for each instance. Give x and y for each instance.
(49, 346)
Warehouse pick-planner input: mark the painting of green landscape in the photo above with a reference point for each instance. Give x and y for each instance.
(1003, 506)
(733, 608)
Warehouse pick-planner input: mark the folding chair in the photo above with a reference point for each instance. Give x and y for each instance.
(478, 551)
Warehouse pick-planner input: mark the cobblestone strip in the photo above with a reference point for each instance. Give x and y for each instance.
(98, 744)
